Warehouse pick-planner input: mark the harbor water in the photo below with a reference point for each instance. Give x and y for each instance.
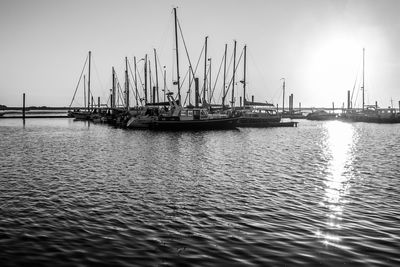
(78, 193)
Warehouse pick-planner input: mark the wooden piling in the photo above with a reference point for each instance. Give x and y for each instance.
(196, 90)
(23, 106)
(348, 99)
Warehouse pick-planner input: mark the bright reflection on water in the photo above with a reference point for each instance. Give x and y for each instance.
(339, 144)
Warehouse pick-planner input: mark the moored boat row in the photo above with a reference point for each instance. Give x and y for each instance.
(173, 114)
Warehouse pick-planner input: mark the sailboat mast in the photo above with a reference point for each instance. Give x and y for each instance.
(145, 79)
(283, 97)
(155, 63)
(190, 84)
(126, 83)
(113, 89)
(244, 77)
(233, 78)
(150, 85)
(177, 57)
(134, 62)
(224, 83)
(209, 84)
(363, 81)
(165, 82)
(90, 59)
(84, 89)
(205, 71)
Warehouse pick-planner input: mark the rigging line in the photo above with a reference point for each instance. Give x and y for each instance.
(79, 81)
(98, 76)
(235, 69)
(119, 89)
(184, 44)
(354, 87)
(198, 62)
(277, 91)
(184, 78)
(135, 92)
(162, 73)
(141, 82)
(193, 72)
(166, 32)
(121, 93)
(108, 99)
(187, 94)
(131, 81)
(216, 79)
(227, 71)
(259, 72)
(355, 82)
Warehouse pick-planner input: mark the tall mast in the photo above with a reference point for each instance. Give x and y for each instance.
(209, 86)
(363, 82)
(150, 85)
(244, 77)
(134, 62)
(126, 84)
(190, 84)
(145, 79)
(233, 78)
(84, 89)
(165, 82)
(90, 59)
(205, 71)
(155, 63)
(177, 57)
(283, 98)
(223, 89)
(113, 89)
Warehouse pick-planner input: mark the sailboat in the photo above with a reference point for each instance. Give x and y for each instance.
(369, 113)
(77, 113)
(258, 114)
(175, 117)
(321, 115)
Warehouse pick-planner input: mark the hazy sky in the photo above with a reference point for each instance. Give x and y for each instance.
(316, 45)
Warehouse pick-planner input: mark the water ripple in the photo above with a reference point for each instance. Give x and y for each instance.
(73, 193)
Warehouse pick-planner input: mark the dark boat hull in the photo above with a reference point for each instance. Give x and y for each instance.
(371, 119)
(264, 122)
(322, 118)
(80, 115)
(195, 125)
(267, 124)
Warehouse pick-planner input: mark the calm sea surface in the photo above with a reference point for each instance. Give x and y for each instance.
(75, 193)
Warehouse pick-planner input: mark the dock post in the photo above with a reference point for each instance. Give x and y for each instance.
(23, 106)
(348, 99)
(98, 102)
(376, 104)
(399, 106)
(196, 90)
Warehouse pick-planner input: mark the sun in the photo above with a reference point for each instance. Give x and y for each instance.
(333, 67)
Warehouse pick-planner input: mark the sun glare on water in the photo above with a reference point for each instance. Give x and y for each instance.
(339, 145)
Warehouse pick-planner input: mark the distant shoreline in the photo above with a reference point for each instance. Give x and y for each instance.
(4, 108)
